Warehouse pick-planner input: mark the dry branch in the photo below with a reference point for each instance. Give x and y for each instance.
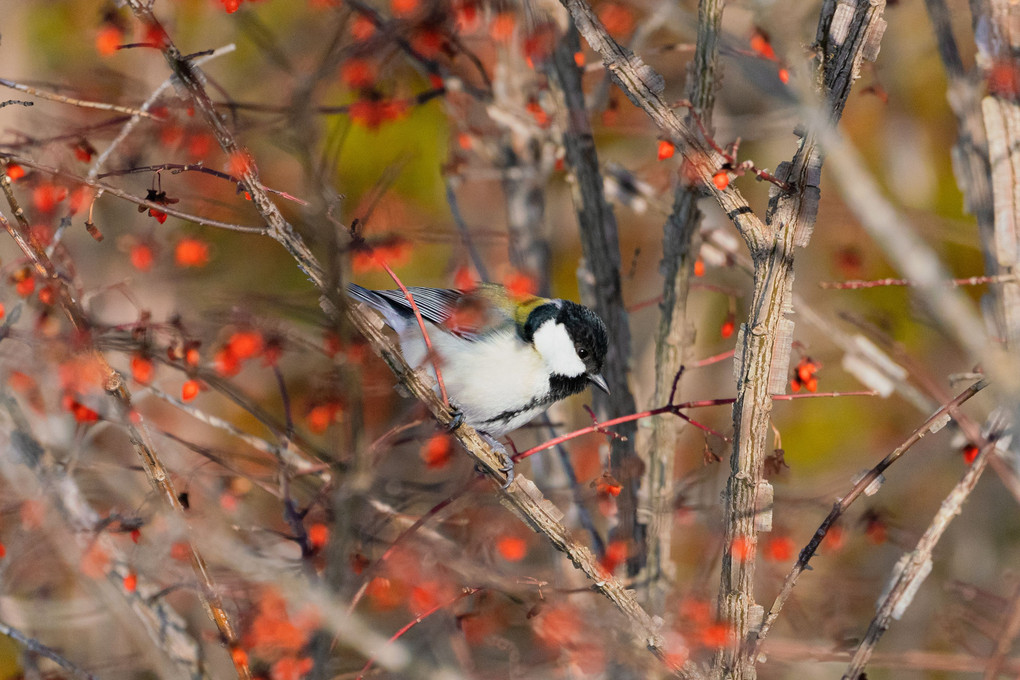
(914, 566)
(601, 245)
(131, 420)
(675, 336)
(932, 424)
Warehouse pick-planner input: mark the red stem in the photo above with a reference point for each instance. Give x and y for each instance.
(416, 620)
(598, 427)
(421, 325)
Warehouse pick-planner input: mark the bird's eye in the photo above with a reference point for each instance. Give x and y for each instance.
(582, 353)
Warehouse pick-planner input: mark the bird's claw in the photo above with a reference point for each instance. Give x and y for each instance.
(507, 468)
(456, 419)
(506, 462)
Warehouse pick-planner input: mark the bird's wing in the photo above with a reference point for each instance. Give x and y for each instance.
(435, 304)
(466, 314)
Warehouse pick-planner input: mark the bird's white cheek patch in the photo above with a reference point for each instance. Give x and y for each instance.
(557, 349)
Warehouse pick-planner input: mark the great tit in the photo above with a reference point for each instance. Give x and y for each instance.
(504, 359)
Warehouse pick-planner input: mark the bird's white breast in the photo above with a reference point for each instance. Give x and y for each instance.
(485, 378)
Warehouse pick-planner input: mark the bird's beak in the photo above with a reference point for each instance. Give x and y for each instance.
(599, 382)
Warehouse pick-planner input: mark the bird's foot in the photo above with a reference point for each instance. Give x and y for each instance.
(456, 419)
(506, 462)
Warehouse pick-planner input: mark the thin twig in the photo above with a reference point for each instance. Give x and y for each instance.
(36, 647)
(81, 103)
(421, 325)
(970, 281)
(132, 421)
(674, 409)
(418, 619)
(105, 188)
(132, 122)
(177, 168)
(372, 569)
(1004, 641)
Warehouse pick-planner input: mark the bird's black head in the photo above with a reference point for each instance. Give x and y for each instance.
(591, 340)
(572, 341)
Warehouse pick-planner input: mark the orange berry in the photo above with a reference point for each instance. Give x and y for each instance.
(239, 657)
(108, 40)
(357, 73)
(245, 344)
(437, 451)
(616, 554)
(362, 28)
(502, 27)
(618, 19)
(180, 551)
(142, 369)
(742, 548)
(520, 286)
(512, 548)
(226, 362)
(190, 389)
(666, 149)
(403, 7)
(318, 535)
(142, 257)
(761, 46)
(779, 549)
(191, 252)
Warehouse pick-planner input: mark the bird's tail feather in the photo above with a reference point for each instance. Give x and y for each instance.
(394, 317)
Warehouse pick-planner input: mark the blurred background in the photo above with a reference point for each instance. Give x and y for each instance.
(437, 129)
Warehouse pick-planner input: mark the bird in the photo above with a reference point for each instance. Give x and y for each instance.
(504, 358)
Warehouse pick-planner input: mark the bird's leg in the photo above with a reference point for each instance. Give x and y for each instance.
(506, 462)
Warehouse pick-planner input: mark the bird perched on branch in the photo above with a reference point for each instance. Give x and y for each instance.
(504, 359)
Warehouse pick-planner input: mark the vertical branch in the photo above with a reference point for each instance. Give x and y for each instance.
(1001, 116)
(846, 36)
(675, 336)
(524, 185)
(601, 246)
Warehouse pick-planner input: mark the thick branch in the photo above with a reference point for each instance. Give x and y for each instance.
(601, 245)
(675, 338)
